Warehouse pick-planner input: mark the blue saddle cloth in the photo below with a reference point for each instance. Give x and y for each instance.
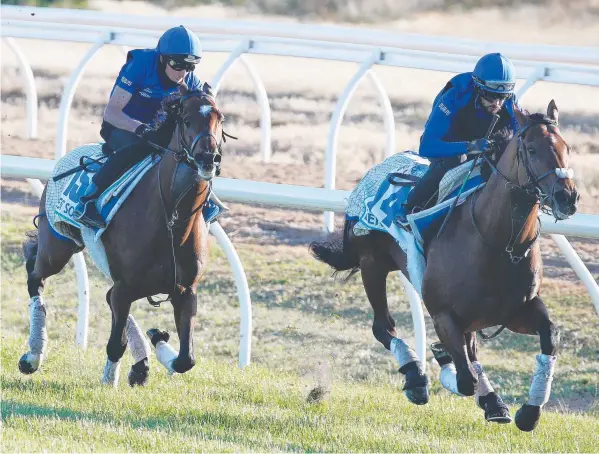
(377, 202)
(112, 198)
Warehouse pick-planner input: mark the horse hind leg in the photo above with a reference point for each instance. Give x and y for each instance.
(534, 319)
(45, 255)
(374, 278)
(485, 396)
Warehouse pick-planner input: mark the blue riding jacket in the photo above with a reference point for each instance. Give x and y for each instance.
(457, 118)
(143, 77)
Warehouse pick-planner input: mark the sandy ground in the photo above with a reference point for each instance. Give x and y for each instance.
(302, 95)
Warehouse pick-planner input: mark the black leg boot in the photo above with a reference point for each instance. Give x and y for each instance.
(421, 195)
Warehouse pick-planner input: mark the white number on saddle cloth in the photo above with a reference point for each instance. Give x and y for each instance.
(69, 197)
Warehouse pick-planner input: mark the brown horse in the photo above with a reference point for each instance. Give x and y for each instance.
(483, 270)
(156, 243)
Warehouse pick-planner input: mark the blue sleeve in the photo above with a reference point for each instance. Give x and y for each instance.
(193, 82)
(515, 104)
(131, 75)
(432, 143)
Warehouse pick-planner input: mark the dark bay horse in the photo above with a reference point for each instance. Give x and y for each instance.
(156, 243)
(484, 269)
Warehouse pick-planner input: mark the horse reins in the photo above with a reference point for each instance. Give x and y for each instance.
(185, 155)
(531, 191)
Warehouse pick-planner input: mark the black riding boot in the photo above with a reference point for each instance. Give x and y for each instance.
(425, 189)
(111, 170)
(86, 212)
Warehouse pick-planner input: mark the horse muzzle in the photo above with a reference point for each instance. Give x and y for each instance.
(565, 203)
(208, 164)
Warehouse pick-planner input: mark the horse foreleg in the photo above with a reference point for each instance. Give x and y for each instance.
(45, 256)
(534, 319)
(120, 299)
(460, 379)
(374, 278)
(484, 395)
(185, 308)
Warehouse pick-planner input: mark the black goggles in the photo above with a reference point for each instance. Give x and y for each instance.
(179, 65)
(492, 97)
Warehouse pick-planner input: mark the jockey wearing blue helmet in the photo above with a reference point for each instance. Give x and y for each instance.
(145, 80)
(459, 121)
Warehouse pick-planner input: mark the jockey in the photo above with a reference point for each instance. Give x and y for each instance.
(147, 77)
(459, 120)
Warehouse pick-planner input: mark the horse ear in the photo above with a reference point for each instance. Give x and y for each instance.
(552, 111)
(521, 117)
(183, 89)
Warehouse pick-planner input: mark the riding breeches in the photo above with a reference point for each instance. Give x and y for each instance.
(129, 149)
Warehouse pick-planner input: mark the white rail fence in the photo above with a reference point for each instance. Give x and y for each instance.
(365, 47)
(305, 198)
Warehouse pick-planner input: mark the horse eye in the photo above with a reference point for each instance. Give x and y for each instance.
(187, 123)
(532, 150)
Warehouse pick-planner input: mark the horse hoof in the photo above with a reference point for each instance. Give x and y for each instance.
(25, 367)
(418, 396)
(157, 335)
(416, 386)
(182, 366)
(528, 417)
(139, 373)
(138, 378)
(495, 409)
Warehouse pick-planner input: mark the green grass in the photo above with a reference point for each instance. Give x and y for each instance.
(308, 329)
(218, 407)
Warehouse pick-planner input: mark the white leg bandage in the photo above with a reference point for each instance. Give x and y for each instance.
(140, 348)
(166, 355)
(38, 335)
(449, 378)
(540, 389)
(111, 373)
(484, 386)
(402, 352)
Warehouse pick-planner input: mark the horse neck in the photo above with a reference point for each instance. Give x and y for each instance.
(502, 213)
(182, 190)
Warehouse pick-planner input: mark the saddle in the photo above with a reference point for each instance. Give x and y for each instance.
(71, 177)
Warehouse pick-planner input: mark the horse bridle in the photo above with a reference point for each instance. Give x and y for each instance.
(531, 190)
(185, 153)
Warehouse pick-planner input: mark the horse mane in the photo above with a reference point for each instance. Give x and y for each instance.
(166, 114)
(500, 140)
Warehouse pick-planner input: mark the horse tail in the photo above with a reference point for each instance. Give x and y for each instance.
(337, 252)
(30, 249)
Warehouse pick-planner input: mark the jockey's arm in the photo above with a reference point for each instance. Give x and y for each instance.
(438, 126)
(114, 114)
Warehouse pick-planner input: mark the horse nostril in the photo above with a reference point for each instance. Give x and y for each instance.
(216, 159)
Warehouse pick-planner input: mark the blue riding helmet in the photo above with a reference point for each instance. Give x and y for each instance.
(495, 73)
(180, 41)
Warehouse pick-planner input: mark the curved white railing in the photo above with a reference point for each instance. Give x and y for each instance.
(30, 88)
(302, 197)
(285, 41)
(365, 47)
